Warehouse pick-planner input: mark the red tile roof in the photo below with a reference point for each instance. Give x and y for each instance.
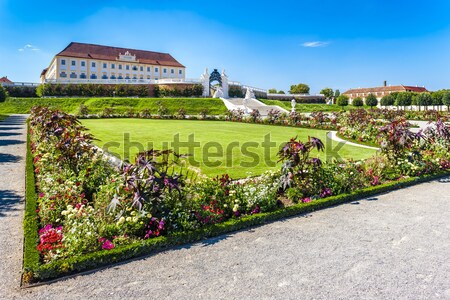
(5, 80)
(90, 51)
(395, 88)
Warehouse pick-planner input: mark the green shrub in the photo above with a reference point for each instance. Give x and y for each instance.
(387, 100)
(342, 100)
(3, 94)
(371, 100)
(358, 102)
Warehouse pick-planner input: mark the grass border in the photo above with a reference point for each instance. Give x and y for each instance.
(31, 259)
(370, 144)
(34, 271)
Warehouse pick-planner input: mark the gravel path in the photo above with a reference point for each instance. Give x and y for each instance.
(391, 246)
(12, 189)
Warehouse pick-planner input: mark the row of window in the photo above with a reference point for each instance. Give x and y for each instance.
(113, 66)
(94, 76)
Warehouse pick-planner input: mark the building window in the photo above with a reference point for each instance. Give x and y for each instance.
(63, 62)
(104, 77)
(83, 76)
(93, 76)
(172, 71)
(93, 64)
(156, 70)
(74, 62)
(113, 66)
(113, 77)
(148, 77)
(120, 67)
(134, 77)
(148, 69)
(135, 68)
(180, 72)
(105, 65)
(73, 75)
(142, 69)
(127, 67)
(165, 71)
(63, 74)
(83, 64)
(127, 76)
(120, 77)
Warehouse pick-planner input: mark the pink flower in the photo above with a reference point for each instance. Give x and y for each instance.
(107, 245)
(306, 200)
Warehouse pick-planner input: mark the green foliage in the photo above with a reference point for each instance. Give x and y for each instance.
(300, 88)
(281, 92)
(235, 91)
(21, 91)
(194, 90)
(3, 94)
(342, 101)
(358, 102)
(424, 99)
(387, 100)
(327, 92)
(404, 99)
(30, 225)
(337, 93)
(371, 100)
(446, 99)
(272, 91)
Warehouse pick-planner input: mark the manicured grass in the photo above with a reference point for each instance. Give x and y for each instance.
(120, 105)
(237, 147)
(306, 107)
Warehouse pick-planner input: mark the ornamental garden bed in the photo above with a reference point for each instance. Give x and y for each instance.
(82, 213)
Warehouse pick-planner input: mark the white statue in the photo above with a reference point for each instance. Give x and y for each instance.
(248, 96)
(293, 103)
(218, 93)
(204, 79)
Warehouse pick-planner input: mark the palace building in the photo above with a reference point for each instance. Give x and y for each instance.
(382, 91)
(88, 63)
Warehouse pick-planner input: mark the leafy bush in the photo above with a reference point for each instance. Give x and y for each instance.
(342, 100)
(387, 100)
(235, 91)
(357, 102)
(371, 100)
(3, 94)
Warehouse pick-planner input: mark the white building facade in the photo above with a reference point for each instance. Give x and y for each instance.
(88, 63)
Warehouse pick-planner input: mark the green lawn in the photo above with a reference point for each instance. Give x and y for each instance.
(120, 105)
(236, 148)
(308, 107)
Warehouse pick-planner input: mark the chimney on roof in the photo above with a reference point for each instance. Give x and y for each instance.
(385, 83)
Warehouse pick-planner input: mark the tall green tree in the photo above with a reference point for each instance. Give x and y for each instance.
(342, 101)
(337, 93)
(300, 88)
(387, 100)
(272, 91)
(327, 92)
(3, 94)
(371, 100)
(404, 99)
(281, 92)
(446, 99)
(424, 99)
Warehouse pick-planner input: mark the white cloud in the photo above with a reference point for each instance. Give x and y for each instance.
(28, 47)
(315, 44)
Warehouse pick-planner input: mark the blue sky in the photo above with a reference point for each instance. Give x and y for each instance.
(324, 43)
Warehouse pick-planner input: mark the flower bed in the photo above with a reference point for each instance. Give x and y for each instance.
(82, 213)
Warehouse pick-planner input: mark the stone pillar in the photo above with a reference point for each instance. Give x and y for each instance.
(205, 83)
(224, 84)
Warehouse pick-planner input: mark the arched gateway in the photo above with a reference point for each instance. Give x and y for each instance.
(222, 80)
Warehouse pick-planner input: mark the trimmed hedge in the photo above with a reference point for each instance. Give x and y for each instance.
(34, 271)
